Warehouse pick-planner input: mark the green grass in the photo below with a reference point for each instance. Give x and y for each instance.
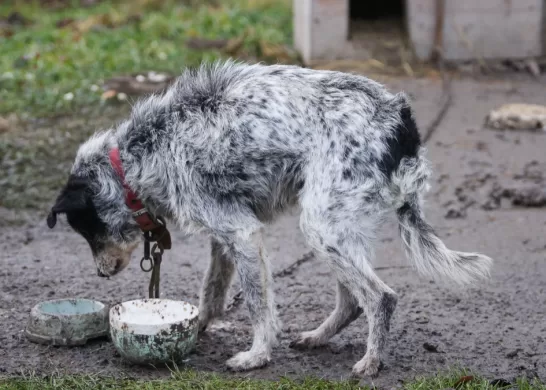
(183, 380)
(180, 381)
(47, 69)
(36, 156)
(453, 381)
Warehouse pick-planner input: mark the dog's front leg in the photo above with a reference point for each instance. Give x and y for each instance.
(253, 268)
(215, 285)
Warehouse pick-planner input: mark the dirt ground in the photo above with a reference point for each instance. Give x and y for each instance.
(497, 328)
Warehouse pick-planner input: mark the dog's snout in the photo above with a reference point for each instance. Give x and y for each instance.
(99, 273)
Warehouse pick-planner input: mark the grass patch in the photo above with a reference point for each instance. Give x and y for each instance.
(182, 380)
(463, 380)
(55, 59)
(36, 156)
(185, 380)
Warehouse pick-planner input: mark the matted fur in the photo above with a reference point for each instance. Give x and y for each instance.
(228, 147)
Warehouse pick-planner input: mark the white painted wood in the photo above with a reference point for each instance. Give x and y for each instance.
(472, 29)
(302, 28)
(479, 29)
(321, 28)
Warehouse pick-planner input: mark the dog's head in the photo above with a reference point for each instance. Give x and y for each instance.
(101, 218)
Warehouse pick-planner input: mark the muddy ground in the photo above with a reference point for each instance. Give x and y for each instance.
(497, 329)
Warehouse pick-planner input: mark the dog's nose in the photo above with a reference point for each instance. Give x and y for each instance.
(100, 273)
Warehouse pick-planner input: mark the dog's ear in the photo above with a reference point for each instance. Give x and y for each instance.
(51, 219)
(74, 196)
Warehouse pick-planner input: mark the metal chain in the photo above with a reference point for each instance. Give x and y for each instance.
(154, 258)
(146, 257)
(153, 287)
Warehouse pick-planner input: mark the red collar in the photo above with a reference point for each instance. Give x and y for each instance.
(140, 214)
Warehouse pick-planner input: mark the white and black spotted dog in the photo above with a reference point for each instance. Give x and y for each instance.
(227, 148)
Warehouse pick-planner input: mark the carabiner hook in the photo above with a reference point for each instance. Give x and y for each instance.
(146, 256)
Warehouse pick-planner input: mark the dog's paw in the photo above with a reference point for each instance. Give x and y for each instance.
(308, 340)
(204, 323)
(219, 326)
(215, 325)
(367, 366)
(248, 360)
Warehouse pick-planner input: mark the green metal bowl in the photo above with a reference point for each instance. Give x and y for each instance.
(67, 322)
(154, 331)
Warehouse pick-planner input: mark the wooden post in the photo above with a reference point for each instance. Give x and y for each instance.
(321, 28)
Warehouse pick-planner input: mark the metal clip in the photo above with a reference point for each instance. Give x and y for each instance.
(147, 257)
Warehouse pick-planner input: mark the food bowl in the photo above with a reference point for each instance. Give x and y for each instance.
(67, 321)
(153, 331)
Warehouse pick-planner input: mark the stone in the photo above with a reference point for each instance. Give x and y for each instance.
(518, 116)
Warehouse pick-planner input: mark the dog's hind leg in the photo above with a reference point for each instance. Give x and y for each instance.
(215, 284)
(252, 266)
(343, 236)
(346, 311)
(349, 259)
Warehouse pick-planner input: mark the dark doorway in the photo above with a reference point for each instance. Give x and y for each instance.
(361, 11)
(373, 10)
(377, 30)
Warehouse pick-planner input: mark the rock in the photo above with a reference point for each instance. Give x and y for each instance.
(453, 213)
(17, 19)
(500, 382)
(421, 320)
(530, 197)
(533, 67)
(430, 347)
(518, 116)
(512, 354)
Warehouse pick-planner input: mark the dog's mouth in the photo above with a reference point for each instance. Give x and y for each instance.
(118, 267)
(113, 259)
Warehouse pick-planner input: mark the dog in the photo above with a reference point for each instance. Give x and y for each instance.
(228, 147)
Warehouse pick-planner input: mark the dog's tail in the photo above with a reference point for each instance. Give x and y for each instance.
(423, 247)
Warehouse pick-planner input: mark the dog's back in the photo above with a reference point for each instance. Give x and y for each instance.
(250, 131)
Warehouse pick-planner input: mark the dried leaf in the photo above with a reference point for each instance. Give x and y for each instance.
(109, 94)
(110, 20)
(464, 379)
(234, 45)
(5, 31)
(278, 53)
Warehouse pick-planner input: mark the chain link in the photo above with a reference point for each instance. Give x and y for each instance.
(151, 261)
(146, 257)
